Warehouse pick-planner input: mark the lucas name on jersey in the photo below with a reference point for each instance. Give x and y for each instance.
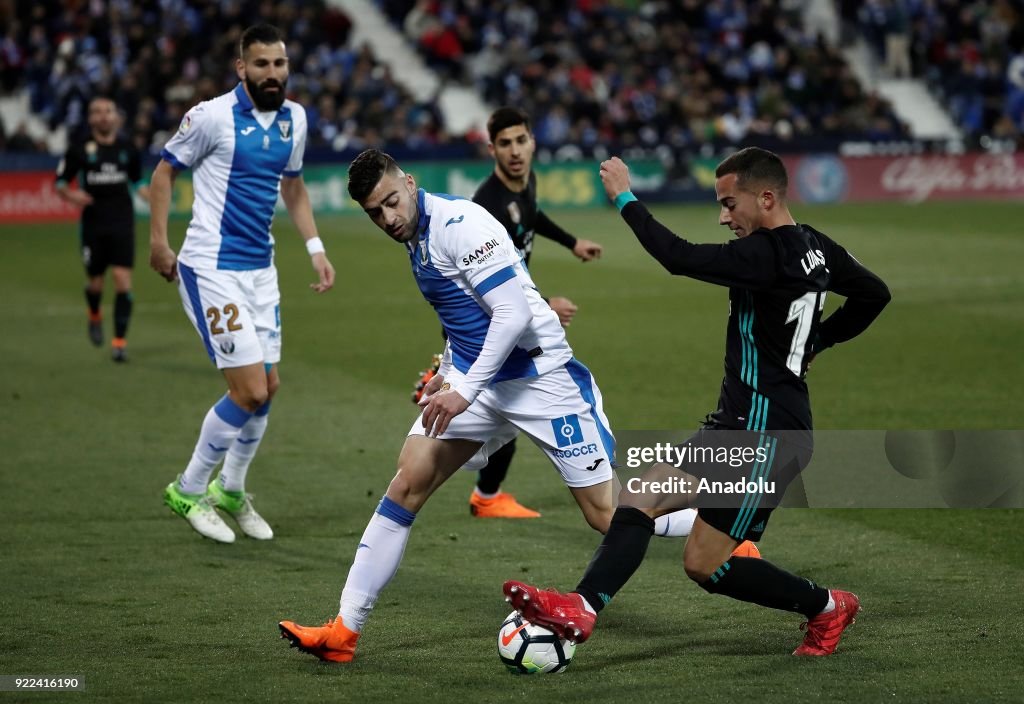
(812, 260)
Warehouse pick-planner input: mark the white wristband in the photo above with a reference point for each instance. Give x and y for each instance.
(315, 245)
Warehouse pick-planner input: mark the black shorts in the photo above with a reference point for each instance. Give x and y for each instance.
(738, 497)
(102, 248)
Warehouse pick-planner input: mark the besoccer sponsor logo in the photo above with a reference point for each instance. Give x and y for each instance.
(567, 430)
(569, 434)
(578, 451)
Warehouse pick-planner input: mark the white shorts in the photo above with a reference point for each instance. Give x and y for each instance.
(236, 313)
(561, 411)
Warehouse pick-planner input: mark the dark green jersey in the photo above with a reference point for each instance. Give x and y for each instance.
(105, 172)
(777, 283)
(519, 214)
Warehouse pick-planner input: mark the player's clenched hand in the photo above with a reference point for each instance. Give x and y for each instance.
(565, 308)
(587, 250)
(325, 271)
(615, 177)
(163, 261)
(440, 409)
(431, 388)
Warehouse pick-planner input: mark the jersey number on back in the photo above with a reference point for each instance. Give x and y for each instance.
(802, 311)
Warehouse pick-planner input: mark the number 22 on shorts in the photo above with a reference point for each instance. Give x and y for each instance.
(213, 314)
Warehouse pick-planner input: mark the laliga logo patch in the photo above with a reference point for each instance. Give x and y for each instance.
(286, 127)
(186, 123)
(567, 430)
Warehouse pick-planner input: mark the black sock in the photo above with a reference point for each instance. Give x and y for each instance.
(760, 582)
(618, 556)
(122, 313)
(93, 299)
(489, 478)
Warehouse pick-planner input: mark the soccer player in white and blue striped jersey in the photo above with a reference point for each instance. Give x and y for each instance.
(507, 368)
(245, 147)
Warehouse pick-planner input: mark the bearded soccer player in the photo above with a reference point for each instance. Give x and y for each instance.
(778, 273)
(245, 147)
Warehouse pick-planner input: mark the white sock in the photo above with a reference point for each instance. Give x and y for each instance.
(377, 558)
(482, 495)
(587, 606)
(243, 449)
(220, 428)
(675, 525)
(831, 605)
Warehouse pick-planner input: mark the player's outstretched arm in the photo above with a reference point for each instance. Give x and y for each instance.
(296, 199)
(748, 263)
(585, 250)
(161, 257)
(660, 242)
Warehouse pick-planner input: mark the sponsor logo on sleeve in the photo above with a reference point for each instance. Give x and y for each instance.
(482, 253)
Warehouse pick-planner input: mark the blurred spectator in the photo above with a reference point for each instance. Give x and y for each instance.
(965, 49)
(677, 73)
(158, 58)
(897, 40)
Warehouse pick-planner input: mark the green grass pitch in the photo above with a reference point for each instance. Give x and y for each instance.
(100, 580)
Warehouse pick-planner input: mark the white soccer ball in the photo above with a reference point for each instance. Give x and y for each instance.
(527, 649)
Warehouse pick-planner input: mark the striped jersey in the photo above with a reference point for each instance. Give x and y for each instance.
(238, 155)
(461, 253)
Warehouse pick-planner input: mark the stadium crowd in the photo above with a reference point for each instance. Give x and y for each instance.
(971, 52)
(157, 58)
(632, 74)
(675, 73)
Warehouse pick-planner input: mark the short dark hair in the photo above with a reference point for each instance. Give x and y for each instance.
(102, 96)
(756, 168)
(262, 33)
(366, 171)
(506, 117)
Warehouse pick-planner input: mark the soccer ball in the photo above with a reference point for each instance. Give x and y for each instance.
(527, 649)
